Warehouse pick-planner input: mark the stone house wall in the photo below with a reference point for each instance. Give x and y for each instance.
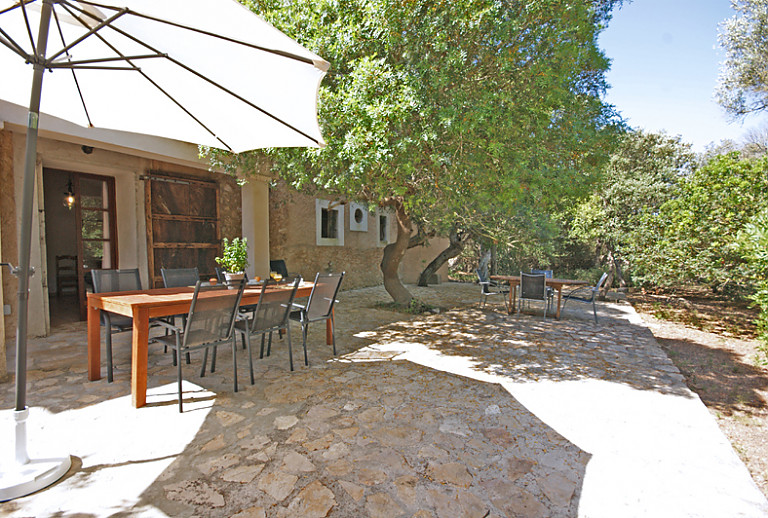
(292, 237)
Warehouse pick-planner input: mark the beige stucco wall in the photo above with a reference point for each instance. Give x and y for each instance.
(292, 236)
(131, 224)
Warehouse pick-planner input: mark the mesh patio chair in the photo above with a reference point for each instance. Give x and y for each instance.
(319, 307)
(547, 274)
(533, 287)
(105, 281)
(179, 278)
(209, 323)
(489, 288)
(271, 315)
(278, 265)
(586, 294)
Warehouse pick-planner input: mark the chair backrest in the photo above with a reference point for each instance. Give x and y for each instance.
(485, 283)
(601, 281)
(482, 275)
(547, 273)
(212, 314)
(323, 295)
(179, 277)
(116, 280)
(278, 265)
(274, 305)
(66, 262)
(533, 287)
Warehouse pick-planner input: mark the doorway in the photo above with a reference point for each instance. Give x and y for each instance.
(81, 235)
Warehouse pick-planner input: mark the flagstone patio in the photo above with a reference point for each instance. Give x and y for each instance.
(464, 413)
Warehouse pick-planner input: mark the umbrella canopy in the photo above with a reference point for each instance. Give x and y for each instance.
(201, 71)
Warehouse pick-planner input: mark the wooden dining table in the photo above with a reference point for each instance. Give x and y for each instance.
(147, 304)
(556, 284)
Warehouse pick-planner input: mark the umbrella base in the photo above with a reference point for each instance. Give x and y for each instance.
(25, 475)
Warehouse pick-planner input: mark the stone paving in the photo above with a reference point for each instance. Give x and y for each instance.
(465, 413)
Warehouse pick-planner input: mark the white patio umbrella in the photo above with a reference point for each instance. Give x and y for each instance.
(202, 71)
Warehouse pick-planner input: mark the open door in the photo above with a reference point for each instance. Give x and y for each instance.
(97, 237)
(80, 235)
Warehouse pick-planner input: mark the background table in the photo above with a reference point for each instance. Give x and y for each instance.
(557, 284)
(143, 305)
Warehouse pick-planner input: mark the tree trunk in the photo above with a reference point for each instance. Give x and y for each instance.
(454, 248)
(393, 254)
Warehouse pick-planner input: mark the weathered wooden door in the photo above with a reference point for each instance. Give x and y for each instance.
(182, 225)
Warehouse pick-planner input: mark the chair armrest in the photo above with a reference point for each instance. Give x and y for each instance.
(169, 325)
(585, 292)
(299, 306)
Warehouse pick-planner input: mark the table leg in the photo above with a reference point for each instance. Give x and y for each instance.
(139, 357)
(559, 296)
(94, 343)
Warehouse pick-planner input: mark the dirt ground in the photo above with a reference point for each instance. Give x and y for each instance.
(712, 342)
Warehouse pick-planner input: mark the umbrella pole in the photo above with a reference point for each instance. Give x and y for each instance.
(25, 475)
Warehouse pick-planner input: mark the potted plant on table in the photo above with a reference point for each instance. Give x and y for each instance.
(234, 258)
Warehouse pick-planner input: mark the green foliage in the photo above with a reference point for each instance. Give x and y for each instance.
(234, 256)
(753, 241)
(640, 177)
(743, 86)
(694, 237)
(459, 111)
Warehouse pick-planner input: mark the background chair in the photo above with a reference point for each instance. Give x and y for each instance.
(209, 323)
(105, 281)
(533, 287)
(66, 273)
(489, 288)
(179, 277)
(586, 294)
(271, 314)
(319, 307)
(548, 274)
(278, 265)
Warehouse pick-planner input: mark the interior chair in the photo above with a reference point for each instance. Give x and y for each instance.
(586, 294)
(209, 323)
(66, 273)
(179, 278)
(319, 307)
(550, 292)
(489, 288)
(533, 287)
(105, 281)
(271, 315)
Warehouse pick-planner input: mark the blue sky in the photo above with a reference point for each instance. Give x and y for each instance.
(665, 61)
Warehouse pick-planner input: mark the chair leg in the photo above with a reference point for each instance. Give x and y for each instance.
(290, 350)
(177, 354)
(333, 334)
(205, 362)
(261, 352)
(594, 309)
(109, 355)
(213, 359)
(247, 340)
(269, 344)
(304, 329)
(234, 360)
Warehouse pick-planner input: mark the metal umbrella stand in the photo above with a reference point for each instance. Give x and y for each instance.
(240, 84)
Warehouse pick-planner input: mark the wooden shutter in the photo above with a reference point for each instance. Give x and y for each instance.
(182, 224)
